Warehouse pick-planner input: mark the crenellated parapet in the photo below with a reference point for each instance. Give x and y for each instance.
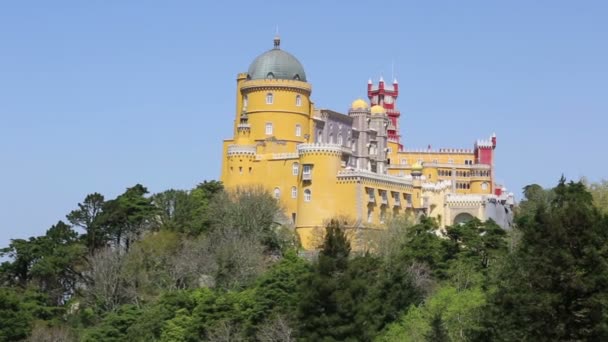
(464, 200)
(276, 84)
(438, 186)
(234, 150)
(323, 148)
(375, 179)
(439, 151)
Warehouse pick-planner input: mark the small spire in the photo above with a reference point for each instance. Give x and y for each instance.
(277, 39)
(369, 81)
(381, 79)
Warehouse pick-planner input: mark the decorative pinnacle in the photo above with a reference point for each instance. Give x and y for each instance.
(277, 39)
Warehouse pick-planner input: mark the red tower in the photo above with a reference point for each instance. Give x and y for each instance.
(386, 96)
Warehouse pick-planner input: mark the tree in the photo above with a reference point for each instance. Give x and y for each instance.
(107, 287)
(599, 191)
(15, 321)
(127, 216)
(51, 262)
(250, 210)
(86, 217)
(555, 285)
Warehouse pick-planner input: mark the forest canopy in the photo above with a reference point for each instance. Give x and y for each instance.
(218, 265)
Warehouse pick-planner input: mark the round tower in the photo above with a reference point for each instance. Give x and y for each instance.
(318, 161)
(277, 99)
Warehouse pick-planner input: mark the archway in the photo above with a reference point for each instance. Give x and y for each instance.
(463, 218)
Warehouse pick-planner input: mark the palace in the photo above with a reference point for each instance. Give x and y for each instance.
(321, 163)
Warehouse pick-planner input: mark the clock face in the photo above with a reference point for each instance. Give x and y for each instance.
(388, 99)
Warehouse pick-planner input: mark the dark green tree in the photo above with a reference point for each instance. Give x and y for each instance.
(51, 263)
(86, 217)
(126, 217)
(555, 286)
(15, 320)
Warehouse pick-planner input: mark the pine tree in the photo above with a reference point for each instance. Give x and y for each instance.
(555, 286)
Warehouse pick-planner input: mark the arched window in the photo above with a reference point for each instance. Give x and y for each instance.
(307, 195)
(277, 193)
(270, 75)
(296, 77)
(295, 169)
(298, 100)
(269, 98)
(298, 130)
(294, 192)
(331, 138)
(319, 137)
(339, 139)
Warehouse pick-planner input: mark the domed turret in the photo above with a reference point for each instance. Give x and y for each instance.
(359, 104)
(417, 167)
(278, 64)
(378, 110)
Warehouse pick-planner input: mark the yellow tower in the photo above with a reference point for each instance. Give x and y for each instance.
(273, 116)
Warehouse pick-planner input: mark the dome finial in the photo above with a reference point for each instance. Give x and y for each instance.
(277, 39)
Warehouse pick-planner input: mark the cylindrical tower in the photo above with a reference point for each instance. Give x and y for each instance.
(320, 164)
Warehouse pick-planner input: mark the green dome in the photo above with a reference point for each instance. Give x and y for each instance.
(278, 64)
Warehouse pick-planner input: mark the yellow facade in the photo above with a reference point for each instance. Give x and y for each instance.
(322, 164)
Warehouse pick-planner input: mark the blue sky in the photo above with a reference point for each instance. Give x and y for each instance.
(96, 96)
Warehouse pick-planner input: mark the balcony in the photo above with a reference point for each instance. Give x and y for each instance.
(397, 203)
(307, 176)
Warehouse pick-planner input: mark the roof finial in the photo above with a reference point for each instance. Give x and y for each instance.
(277, 39)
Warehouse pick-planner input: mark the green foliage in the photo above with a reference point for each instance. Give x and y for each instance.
(126, 217)
(599, 191)
(252, 211)
(51, 262)
(15, 320)
(187, 211)
(212, 265)
(555, 286)
(86, 217)
(449, 315)
(114, 325)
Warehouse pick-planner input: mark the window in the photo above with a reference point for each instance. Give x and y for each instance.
(277, 193)
(269, 98)
(295, 169)
(370, 212)
(298, 130)
(240, 169)
(484, 186)
(382, 214)
(294, 192)
(307, 169)
(319, 137)
(245, 102)
(340, 139)
(307, 195)
(298, 100)
(450, 161)
(403, 161)
(269, 128)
